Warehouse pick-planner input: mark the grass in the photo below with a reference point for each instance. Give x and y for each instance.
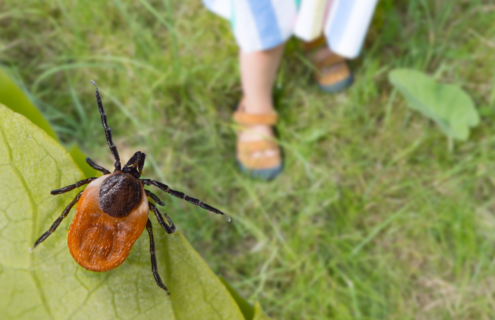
(373, 217)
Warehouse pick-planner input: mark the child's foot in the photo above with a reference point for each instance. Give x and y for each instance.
(258, 153)
(331, 71)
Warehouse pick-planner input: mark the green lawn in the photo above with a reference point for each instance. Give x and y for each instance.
(373, 217)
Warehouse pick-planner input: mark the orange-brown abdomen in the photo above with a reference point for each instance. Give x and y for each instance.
(99, 242)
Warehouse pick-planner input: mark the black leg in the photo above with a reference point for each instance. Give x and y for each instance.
(154, 197)
(181, 195)
(108, 131)
(95, 166)
(170, 229)
(57, 222)
(154, 267)
(73, 186)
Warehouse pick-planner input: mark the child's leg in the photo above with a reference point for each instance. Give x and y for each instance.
(258, 72)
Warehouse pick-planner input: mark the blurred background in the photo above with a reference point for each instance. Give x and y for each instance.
(374, 217)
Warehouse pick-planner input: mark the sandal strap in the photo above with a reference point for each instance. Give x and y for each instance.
(315, 44)
(242, 117)
(312, 46)
(260, 163)
(247, 147)
(329, 60)
(333, 74)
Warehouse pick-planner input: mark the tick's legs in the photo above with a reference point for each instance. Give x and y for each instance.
(108, 131)
(154, 267)
(72, 186)
(170, 229)
(95, 166)
(154, 197)
(57, 222)
(181, 195)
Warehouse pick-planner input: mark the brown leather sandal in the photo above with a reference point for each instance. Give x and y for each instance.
(331, 71)
(264, 167)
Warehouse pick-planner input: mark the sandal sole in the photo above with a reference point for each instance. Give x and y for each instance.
(339, 86)
(263, 174)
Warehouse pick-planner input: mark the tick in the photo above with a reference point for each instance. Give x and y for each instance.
(112, 211)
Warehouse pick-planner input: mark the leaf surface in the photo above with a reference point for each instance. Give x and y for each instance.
(13, 97)
(49, 284)
(246, 308)
(249, 312)
(448, 105)
(196, 292)
(258, 312)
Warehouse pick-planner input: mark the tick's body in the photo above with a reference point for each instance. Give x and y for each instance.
(112, 212)
(99, 241)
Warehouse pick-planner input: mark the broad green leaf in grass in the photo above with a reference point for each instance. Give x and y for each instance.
(448, 105)
(13, 97)
(49, 284)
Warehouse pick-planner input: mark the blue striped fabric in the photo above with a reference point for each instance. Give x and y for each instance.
(257, 24)
(340, 23)
(264, 24)
(265, 20)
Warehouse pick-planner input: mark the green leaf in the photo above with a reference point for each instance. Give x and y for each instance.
(13, 97)
(248, 311)
(80, 159)
(196, 292)
(448, 105)
(258, 313)
(49, 284)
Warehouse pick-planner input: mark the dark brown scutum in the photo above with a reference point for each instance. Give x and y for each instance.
(120, 194)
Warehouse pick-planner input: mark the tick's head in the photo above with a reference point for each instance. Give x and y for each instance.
(135, 165)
